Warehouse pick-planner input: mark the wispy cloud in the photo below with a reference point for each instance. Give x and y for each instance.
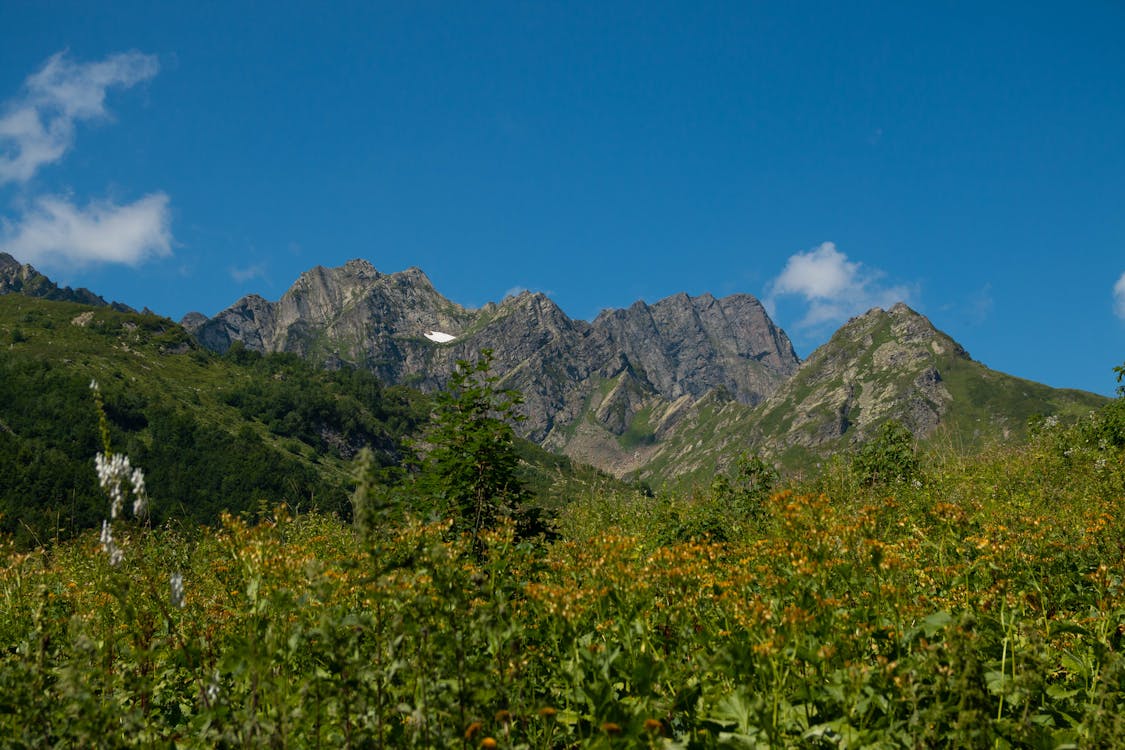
(57, 232)
(832, 287)
(519, 289)
(1119, 297)
(37, 127)
(246, 273)
(980, 304)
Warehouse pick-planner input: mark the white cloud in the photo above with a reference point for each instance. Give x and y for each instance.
(56, 232)
(246, 273)
(1119, 297)
(833, 288)
(37, 127)
(518, 290)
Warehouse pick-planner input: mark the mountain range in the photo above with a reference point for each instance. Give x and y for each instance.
(665, 393)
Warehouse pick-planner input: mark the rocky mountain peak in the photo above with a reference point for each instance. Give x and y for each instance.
(688, 345)
(536, 304)
(360, 268)
(904, 326)
(413, 275)
(8, 264)
(884, 364)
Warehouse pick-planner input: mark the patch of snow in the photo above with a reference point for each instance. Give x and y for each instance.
(439, 337)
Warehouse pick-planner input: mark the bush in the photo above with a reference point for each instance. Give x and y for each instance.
(890, 457)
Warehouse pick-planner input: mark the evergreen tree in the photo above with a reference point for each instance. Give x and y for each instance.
(471, 467)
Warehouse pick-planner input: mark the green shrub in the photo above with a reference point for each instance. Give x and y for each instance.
(891, 456)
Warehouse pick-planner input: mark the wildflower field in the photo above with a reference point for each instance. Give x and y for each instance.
(979, 605)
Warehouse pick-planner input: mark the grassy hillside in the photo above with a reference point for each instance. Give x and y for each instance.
(213, 433)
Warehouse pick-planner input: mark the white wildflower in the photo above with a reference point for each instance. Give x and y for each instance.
(176, 584)
(212, 690)
(139, 499)
(119, 479)
(1051, 421)
(110, 546)
(113, 471)
(93, 384)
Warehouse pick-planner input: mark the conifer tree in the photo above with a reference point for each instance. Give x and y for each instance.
(471, 467)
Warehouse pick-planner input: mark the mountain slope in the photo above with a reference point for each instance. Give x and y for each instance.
(883, 365)
(894, 364)
(211, 433)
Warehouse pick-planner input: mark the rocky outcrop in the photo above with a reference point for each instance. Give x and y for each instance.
(17, 278)
(689, 346)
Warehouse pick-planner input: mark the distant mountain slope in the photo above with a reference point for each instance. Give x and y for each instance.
(680, 346)
(352, 314)
(691, 345)
(885, 364)
(211, 433)
(893, 364)
(17, 278)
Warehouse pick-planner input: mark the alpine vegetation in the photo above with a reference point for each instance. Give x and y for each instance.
(900, 597)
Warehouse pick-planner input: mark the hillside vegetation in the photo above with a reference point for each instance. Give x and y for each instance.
(894, 600)
(240, 432)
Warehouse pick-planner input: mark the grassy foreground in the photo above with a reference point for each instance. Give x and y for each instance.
(981, 605)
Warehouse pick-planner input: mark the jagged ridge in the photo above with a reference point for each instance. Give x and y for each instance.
(17, 278)
(680, 346)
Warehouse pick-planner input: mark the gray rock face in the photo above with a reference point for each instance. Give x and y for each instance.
(688, 346)
(680, 346)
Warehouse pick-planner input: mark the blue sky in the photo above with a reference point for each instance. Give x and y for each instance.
(826, 157)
